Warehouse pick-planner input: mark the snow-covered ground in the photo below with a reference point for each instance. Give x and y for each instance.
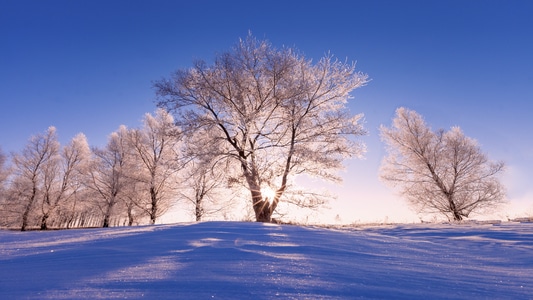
(232, 260)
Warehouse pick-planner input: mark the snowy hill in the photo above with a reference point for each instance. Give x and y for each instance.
(225, 260)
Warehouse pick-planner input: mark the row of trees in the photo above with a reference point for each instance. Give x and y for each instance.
(135, 178)
(250, 121)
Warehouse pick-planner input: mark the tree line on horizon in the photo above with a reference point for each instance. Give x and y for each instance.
(248, 123)
(134, 179)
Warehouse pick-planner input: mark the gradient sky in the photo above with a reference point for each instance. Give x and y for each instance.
(88, 66)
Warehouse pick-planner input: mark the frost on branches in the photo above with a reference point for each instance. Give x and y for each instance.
(439, 172)
(272, 113)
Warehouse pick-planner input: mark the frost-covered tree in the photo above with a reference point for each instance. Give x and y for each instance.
(108, 173)
(133, 197)
(205, 188)
(75, 164)
(204, 181)
(4, 171)
(33, 167)
(4, 177)
(62, 175)
(155, 147)
(272, 112)
(439, 172)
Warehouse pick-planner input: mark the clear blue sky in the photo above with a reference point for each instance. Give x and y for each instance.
(88, 66)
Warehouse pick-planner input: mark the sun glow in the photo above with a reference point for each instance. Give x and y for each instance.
(268, 194)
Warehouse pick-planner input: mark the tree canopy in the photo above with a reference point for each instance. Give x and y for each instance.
(439, 172)
(272, 112)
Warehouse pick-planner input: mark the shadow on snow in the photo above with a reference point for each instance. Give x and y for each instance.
(262, 261)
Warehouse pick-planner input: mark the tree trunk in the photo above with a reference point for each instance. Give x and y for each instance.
(107, 218)
(263, 211)
(25, 219)
(44, 219)
(109, 210)
(130, 215)
(456, 215)
(198, 209)
(26, 213)
(153, 209)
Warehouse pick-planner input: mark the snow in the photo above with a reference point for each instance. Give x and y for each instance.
(234, 260)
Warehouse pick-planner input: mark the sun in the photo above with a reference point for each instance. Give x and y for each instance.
(268, 194)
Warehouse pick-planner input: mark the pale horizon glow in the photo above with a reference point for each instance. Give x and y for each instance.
(89, 66)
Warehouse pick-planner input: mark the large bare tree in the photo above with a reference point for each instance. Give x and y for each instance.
(272, 112)
(439, 172)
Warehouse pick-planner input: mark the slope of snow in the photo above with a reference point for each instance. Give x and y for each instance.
(225, 260)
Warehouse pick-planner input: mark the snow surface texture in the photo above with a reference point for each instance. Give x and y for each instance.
(225, 260)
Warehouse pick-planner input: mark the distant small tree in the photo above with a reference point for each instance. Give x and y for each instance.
(204, 180)
(32, 168)
(108, 173)
(206, 190)
(271, 112)
(4, 177)
(62, 176)
(133, 197)
(4, 171)
(155, 148)
(439, 172)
